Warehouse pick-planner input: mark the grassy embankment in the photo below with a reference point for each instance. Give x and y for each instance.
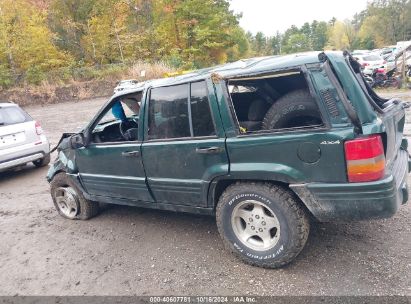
(85, 83)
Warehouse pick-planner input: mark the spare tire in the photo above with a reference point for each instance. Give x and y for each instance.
(295, 109)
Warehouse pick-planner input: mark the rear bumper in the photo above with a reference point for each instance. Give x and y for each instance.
(23, 154)
(358, 201)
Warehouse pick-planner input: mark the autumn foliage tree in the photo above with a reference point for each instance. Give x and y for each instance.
(383, 23)
(190, 32)
(39, 36)
(26, 43)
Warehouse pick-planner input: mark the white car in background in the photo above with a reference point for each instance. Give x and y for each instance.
(22, 139)
(125, 85)
(360, 52)
(370, 62)
(391, 64)
(387, 52)
(407, 58)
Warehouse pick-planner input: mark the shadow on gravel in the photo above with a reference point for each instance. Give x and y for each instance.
(326, 240)
(183, 237)
(23, 171)
(138, 216)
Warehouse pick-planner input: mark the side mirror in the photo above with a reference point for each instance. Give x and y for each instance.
(77, 141)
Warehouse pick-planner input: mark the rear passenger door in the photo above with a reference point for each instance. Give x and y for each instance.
(184, 146)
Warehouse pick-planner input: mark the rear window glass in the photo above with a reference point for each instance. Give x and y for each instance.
(12, 115)
(372, 58)
(168, 114)
(200, 110)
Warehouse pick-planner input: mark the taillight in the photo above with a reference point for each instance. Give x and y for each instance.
(39, 129)
(365, 159)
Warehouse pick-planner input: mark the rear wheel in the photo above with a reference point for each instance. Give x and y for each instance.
(262, 224)
(69, 201)
(43, 161)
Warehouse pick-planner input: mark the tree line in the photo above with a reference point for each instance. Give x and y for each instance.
(37, 36)
(383, 23)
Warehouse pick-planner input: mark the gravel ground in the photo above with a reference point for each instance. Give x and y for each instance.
(132, 251)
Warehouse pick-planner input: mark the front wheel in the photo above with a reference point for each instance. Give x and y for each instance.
(262, 224)
(69, 201)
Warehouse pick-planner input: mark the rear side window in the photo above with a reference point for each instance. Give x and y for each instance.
(200, 110)
(13, 115)
(281, 101)
(168, 114)
(181, 111)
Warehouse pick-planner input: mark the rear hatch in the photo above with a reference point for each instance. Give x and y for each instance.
(373, 113)
(392, 114)
(16, 128)
(394, 121)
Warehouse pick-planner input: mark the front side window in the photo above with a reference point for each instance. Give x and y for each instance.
(181, 111)
(124, 108)
(120, 121)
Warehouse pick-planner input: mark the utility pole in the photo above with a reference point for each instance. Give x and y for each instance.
(9, 51)
(118, 39)
(404, 54)
(92, 42)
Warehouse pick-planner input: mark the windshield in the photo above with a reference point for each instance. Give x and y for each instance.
(12, 115)
(372, 58)
(391, 58)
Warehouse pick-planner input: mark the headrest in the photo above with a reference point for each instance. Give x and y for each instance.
(257, 111)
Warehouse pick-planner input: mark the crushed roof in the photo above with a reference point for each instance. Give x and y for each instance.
(243, 67)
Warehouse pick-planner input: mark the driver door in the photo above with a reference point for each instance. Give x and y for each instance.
(110, 166)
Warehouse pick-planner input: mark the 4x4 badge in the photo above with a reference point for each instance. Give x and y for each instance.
(337, 142)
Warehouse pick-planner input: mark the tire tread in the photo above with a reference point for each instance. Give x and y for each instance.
(301, 96)
(287, 198)
(88, 209)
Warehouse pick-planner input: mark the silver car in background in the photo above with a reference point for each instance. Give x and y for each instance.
(21, 139)
(125, 85)
(370, 62)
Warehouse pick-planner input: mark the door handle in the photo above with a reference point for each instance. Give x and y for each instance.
(131, 154)
(210, 150)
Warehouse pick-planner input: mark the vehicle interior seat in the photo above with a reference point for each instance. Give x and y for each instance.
(131, 134)
(256, 113)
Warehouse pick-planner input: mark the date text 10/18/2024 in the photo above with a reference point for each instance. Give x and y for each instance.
(203, 299)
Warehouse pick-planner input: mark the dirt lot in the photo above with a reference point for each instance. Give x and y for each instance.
(131, 251)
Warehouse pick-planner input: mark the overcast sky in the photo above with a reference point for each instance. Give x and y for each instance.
(270, 16)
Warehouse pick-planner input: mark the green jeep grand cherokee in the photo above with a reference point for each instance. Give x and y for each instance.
(263, 144)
